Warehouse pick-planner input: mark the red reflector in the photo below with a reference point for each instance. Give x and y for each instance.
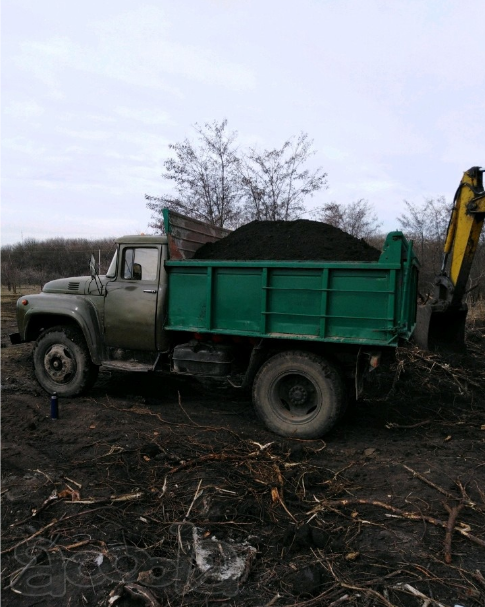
(375, 361)
(24, 302)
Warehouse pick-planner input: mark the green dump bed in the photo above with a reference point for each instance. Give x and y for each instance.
(370, 303)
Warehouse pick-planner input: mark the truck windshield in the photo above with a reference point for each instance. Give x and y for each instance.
(111, 273)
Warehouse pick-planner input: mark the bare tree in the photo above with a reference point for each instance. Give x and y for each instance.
(427, 224)
(11, 269)
(205, 176)
(214, 182)
(357, 218)
(275, 182)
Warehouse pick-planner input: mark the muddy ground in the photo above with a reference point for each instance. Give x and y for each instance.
(151, 491)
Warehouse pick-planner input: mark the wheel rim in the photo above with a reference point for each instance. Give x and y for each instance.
(60, 364)
(295, 397)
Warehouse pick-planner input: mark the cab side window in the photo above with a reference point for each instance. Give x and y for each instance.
(140, 264)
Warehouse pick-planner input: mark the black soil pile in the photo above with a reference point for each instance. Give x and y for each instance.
(286, 240)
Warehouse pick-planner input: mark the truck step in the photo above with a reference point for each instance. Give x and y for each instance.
(126, 365)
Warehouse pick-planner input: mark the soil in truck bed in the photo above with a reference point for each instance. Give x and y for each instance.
(289, 240)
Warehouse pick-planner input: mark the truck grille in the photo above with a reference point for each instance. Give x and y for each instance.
(73, 286)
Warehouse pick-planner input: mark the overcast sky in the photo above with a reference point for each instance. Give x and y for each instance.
(391, 91)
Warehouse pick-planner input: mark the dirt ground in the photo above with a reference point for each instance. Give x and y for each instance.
(152, 491)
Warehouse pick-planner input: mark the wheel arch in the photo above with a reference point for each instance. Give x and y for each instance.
(81, 315)
(62, 361)
(337, 354)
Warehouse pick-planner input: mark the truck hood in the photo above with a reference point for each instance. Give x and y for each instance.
(76, 285)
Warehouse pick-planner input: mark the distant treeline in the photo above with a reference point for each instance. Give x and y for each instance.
(34, 262)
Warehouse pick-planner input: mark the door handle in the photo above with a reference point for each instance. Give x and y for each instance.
(149, 291)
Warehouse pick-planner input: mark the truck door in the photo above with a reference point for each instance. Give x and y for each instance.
(131, 299)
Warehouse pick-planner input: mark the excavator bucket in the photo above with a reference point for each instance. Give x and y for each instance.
(438, 329)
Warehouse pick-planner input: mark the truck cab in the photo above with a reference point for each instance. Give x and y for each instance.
(115, 320)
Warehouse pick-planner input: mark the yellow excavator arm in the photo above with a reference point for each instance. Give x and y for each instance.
(464, 230)
(441, 322)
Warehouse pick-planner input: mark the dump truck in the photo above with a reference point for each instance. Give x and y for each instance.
(299, 335)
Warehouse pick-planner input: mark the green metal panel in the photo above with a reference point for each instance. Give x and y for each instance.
(236, 299)
(187, 296)
(365, 303)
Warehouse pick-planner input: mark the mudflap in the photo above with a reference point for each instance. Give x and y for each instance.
(440, 329)
(15, 339)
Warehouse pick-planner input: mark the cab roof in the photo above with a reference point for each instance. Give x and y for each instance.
(143, 239)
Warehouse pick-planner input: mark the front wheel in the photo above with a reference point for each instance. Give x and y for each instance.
(298, 394)
(62, 363)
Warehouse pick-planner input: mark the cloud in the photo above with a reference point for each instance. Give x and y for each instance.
(144, 115)
(333, 153)
(24, 109)
(23, 145)
(45, 60)
(372, 186)
(87, 134)
(138, 48)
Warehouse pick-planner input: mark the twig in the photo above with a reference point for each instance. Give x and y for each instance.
(46, 475)
(379, 580)
(51, 524)
(464, 501)
(78, 485)
(140, 592)
(275, 494)
(196, 496)
(392, 425)
(451, 371)
(273, 600)
(414, 591)
(409, 515)
(113, 498)
(31, 537)
(78, 545)
(478, 576)
(279, 494)
(205, 458)
(316, 601)
(185, 412)
(428, 482)
(342, 599)
(450, 525)
(370, 591)
(53, 497)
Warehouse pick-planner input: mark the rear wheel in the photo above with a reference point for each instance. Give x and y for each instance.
(62, 362)
(298, 394)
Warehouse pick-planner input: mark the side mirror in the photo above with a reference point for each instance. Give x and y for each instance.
(92, 267)
(136, 271)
